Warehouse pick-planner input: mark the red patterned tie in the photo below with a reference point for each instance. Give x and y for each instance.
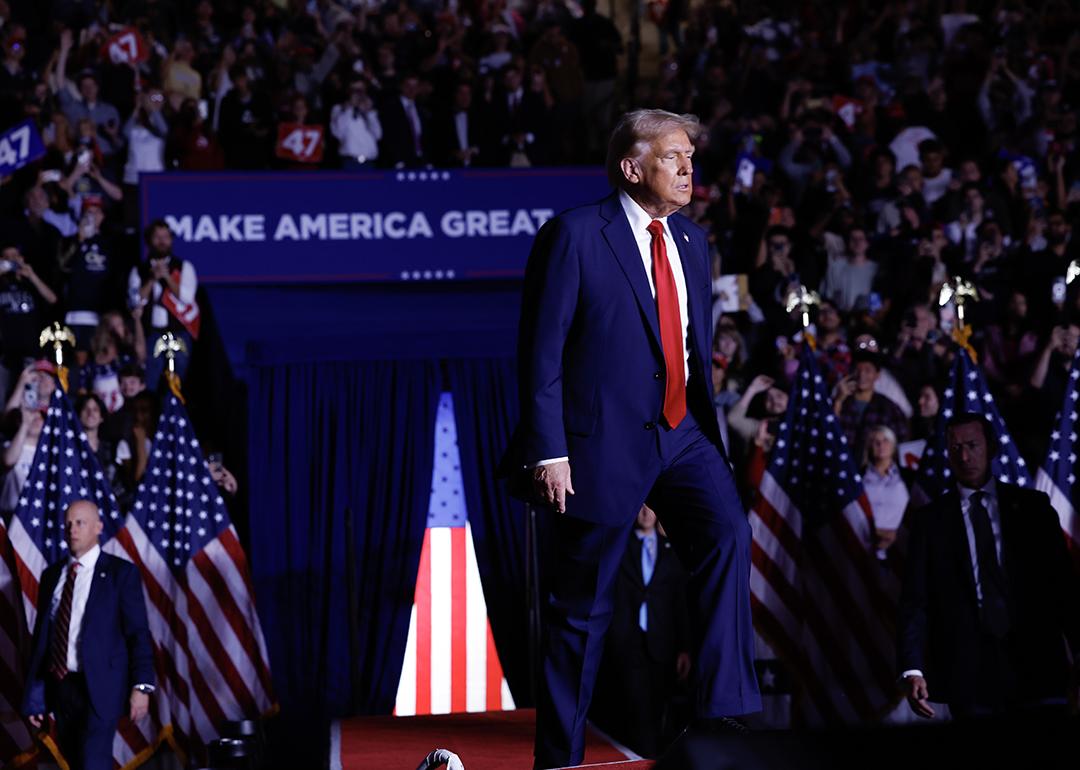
(58, 651)
(671, 328)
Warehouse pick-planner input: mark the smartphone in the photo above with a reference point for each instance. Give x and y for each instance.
(745, 173)
(31, 395)
(1057, 292)
(6, 265)
(204, 109)
(84, 157)
(214, 460)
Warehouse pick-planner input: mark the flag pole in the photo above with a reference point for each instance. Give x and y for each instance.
(168, 345)
(56, 335)
(802, 299)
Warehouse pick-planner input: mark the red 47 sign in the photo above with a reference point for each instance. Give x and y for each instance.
(125, 47)
(298, 142)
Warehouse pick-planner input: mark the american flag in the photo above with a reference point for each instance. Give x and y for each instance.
(210, 653)
(450, 663)
(1057, 476)
(819, 596)
(966, 391)
(64, 469)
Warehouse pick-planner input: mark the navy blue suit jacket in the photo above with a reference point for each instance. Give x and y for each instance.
(591, 367)
(115, 651)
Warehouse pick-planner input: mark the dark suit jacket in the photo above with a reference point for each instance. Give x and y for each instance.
(939, 617)
(115, 652)
(531, 117)
(668, 615)
(397, 139)
(591, 368)
(445, 141)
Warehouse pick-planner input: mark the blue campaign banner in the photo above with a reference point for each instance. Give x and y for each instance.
(19, 145)
(385, 226)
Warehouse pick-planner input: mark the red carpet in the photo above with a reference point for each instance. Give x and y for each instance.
(494, 740)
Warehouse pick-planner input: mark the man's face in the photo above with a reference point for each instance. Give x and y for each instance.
(82, 526)
(89, 89)
(646, 518)
(1070, 340)
(37, 200)
(410, 87)
(161, 240)
(828, 317)
(1018, 306)
(857, 242)
(1057, 229)
(131, 386)
(969, 456)
(866, 375)
(662, 176)
(463, 97)
(932, 163)
(928, 402)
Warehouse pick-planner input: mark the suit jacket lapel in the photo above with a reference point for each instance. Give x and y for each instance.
(621, 241)
(1006, 519)
(632, 562)
(97, 586)
(694, 280)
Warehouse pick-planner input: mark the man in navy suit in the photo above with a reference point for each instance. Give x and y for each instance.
(613, 358)
(92, 657)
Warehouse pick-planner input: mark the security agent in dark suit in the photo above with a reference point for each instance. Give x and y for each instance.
(92, 657)
(648, 642)
(989, 598)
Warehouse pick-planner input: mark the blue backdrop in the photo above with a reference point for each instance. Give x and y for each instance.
(380, 226)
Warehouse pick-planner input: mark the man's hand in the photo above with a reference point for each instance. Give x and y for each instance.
(37, 720)
(140, 704)
(553, 484)
(918, 696)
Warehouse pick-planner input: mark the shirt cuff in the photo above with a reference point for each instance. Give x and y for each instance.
(144, 688)
(552, 461)
(910, 673)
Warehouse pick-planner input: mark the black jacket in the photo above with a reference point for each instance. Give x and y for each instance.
(938, 624)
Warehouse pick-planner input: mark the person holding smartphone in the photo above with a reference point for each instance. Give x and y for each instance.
(25, 300)
(164, 285)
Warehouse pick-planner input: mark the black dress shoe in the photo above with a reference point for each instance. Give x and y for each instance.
(719, 726)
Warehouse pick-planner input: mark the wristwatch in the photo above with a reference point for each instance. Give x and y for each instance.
(144, 688)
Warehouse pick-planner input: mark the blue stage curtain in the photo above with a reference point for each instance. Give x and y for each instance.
(486, 411)
(329, 439)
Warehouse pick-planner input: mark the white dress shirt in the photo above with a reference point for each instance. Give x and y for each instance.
(358, 132)
(990, 502)
(461, 128)
(83, 578)
(414, 120)
(639, 221)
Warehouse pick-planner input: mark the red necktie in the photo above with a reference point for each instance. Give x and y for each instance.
(671, 328)
(59, 650)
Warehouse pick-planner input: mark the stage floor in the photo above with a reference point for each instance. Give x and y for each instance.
(493, 740)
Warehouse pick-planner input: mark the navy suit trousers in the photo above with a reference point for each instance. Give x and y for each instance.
(694, 495)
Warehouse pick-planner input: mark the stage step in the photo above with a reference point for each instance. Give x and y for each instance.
(491, 740)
